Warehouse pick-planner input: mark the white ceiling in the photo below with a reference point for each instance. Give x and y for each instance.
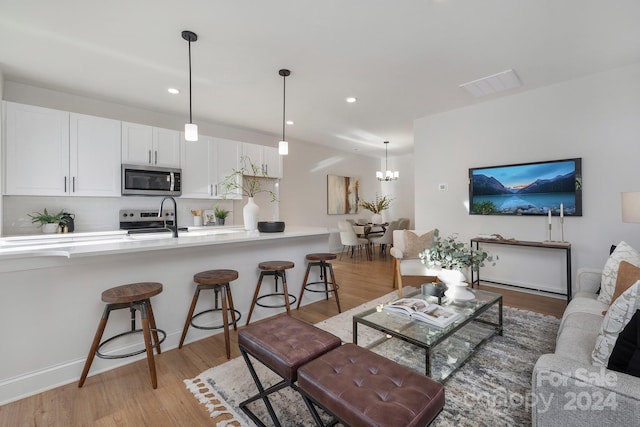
(402, 59)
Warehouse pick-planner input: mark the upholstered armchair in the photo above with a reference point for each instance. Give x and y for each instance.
(406, 261)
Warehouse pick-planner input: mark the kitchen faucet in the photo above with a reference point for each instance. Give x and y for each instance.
(173, 228)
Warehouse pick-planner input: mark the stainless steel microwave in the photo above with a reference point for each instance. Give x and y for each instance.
(142, 180)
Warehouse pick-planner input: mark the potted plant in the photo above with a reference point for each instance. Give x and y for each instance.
(221, 214)
(247, 181)
(376, 206)
(48, 222)
(454, 257)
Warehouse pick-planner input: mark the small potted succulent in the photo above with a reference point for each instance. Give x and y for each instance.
(49, 222)
(221, 214)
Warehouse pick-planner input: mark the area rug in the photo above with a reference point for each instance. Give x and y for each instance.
(491, 389)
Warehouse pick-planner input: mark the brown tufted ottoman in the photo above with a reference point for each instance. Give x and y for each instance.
(283, 344)
(361, 388)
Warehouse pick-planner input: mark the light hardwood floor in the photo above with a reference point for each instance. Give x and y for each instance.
(124, 397)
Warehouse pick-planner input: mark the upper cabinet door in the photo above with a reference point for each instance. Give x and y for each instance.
(227, 161)
(137, 144)
(272, 162)
(197, 173)
(166, 147)
(36, 150)
(94, 156)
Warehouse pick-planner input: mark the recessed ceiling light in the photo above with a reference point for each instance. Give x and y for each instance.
(173, 91)
(289, 122)
(351, 100)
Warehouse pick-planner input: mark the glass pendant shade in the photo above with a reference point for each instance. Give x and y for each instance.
(190, 132)
(283, 148)
(387, 175)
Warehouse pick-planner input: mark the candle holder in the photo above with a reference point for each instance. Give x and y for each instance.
(562, 229)
(549, 240)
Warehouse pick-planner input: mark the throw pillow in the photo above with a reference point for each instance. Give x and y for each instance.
(623, 252)
(628, 274)
(625, 356)
(414, 244)
(619, 314)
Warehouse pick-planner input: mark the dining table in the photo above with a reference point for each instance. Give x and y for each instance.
(366, 230)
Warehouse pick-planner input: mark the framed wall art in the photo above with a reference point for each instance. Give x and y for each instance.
(342, 195)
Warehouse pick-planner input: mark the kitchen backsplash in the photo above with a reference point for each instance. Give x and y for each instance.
(101, 213)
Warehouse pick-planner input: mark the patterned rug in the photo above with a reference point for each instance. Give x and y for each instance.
(492, 389)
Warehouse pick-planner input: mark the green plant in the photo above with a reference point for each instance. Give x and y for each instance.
(378, 205)
(47, 218)
(452, 254)
(221, 213)
(247, 180)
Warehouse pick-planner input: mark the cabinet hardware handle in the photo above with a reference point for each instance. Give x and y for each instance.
(65, 183)
(211, 189)
(149, 156)
(156, 155)
(74, 185)
(216, 189)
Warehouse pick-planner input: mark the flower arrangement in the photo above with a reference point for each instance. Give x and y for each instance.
(378, 205)
(451, 254)
(247, 180)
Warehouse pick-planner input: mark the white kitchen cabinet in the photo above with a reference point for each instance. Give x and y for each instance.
(148, 145)
(36, 150)
(94, 156)
(266, 158)
(205, 165)
(56, 153)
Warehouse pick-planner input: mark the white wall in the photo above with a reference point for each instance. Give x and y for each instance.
(302, 191)
(596, 118)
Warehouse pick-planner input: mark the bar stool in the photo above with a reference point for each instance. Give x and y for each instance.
(320, 260)
(218, 280)
(275, 269)
(134, 296)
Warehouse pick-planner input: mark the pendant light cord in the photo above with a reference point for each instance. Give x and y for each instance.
(190, 107)
(284, 104)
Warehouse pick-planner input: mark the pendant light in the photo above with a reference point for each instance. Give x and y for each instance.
(190, 129)
(387, 175)
(283, 146)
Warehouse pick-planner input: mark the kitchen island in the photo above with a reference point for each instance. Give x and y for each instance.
(50, 291)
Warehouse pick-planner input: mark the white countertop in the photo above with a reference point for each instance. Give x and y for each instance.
(74, 245)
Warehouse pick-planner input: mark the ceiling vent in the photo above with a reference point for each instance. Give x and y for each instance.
(492, 84)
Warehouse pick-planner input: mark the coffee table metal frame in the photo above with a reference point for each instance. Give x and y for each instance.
(489, 298)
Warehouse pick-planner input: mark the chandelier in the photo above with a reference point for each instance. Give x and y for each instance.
(387, 175)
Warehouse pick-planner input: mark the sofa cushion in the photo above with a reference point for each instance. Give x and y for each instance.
(415, 244)
(623, 252)
(625, 356)
(578, 336)
(584, 302)
(619, 314)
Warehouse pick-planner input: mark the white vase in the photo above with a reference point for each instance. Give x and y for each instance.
(451, 277)
(50, 228)
(250, 213)
(376, 219)
(456, 285)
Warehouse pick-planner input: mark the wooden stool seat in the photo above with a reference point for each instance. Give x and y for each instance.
(277, 270)
(275, 265)
(135, 297)
(320, 260)
(215, 277)
(219, 281)
(321, 257)
(131, 292)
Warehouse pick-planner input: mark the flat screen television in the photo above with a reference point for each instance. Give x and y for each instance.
(527, 188)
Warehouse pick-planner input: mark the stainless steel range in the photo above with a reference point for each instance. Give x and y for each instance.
(145, 221)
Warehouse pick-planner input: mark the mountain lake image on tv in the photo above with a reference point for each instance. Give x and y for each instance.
(527, 189)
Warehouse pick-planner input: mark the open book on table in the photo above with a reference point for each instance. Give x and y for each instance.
(424, 311)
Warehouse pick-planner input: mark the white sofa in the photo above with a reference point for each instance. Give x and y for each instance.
(567, 390)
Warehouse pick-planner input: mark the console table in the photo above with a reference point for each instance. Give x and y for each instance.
(566, 247)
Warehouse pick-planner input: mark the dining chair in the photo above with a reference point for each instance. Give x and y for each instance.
(350, 240)
(403, 223)
(385, 239)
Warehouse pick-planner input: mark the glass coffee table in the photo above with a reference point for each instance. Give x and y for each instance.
(446, 349)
